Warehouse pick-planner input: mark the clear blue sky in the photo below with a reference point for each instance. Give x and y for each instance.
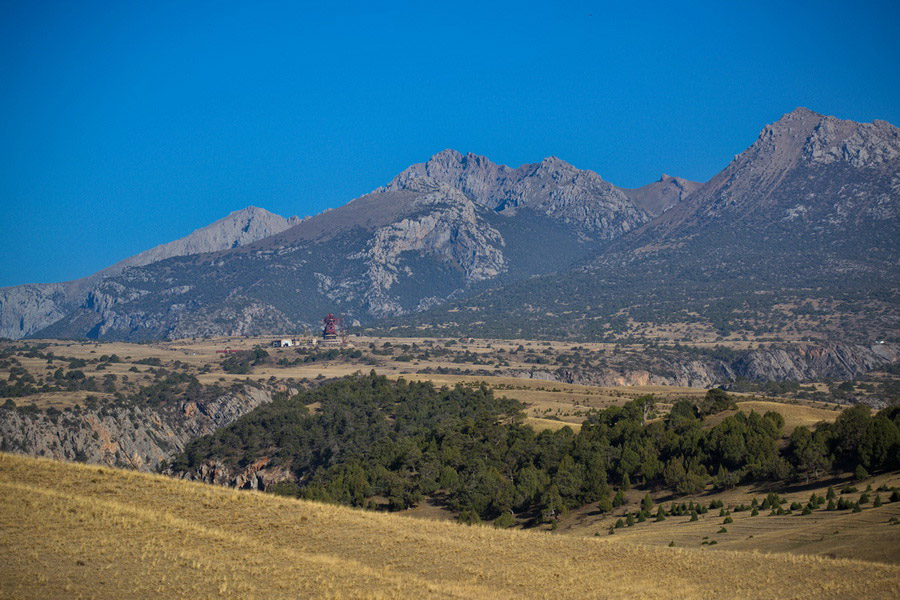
(130, 124)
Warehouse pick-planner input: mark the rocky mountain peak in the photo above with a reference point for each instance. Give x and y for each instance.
(552, 187)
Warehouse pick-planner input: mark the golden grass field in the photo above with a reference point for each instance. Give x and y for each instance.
(77, 531)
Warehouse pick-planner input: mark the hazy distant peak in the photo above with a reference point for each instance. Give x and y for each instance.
(661, 195)
(239, 228)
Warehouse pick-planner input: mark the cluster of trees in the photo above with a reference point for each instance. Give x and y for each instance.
(373, 440)
(857, 441)
(241, 362)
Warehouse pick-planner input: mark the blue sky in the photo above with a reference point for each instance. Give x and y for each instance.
(130, 124)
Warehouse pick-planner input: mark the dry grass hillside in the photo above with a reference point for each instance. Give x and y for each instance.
(75, 531)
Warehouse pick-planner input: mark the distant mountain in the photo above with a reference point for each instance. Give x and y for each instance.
(438, 230)
(798, 233)
(25, 309)
(658, 197)
(800, 229)
(237, 229)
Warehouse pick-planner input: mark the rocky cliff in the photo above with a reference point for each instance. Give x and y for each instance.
(131, 436)
(800, 363)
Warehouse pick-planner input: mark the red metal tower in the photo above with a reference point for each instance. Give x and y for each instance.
(332, 325)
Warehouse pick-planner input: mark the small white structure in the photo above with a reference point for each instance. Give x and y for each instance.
(284, 343)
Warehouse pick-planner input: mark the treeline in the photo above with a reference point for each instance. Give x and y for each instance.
(373, 441)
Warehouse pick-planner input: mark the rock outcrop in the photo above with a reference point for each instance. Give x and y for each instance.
(552, 186)
(124, 435)
(801, 363)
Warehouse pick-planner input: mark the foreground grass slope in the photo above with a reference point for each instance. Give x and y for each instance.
(76, 531)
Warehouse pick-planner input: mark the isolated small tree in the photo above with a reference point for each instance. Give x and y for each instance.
(605, 505)
(626, 482)
(829, 495)
(860, 473)
(660, 514)
(619, 500)
(877, 501)
(647, 503)
(831, 505)
(620, 523)
(505, 520)
(694, 516)
(629, 520)
(727, 521)
(754, 512)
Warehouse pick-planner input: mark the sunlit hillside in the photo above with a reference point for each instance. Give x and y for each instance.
(76, 531)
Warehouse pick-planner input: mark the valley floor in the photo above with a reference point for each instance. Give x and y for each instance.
(77, 531)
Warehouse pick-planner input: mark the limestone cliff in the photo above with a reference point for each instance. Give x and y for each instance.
(125, 435)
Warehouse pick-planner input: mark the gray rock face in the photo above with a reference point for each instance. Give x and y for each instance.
(131, 436)
(25, 309)
(552, 186)
(802, 363)
(444, 223)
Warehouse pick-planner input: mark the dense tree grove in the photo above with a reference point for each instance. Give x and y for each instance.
(372, 440)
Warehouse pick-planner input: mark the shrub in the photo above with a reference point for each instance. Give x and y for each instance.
(505, 520)
(722, 530)
(877, 501)
(469, 517)
(620, 523)
(806, 511)
(754, 512)
(860, 473)
(629, 520)
(863, 498)
(694, 516)
(728, 521)
(830, 494)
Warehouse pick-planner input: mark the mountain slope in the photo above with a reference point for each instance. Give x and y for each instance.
(25, 309)
(800, 225)
(405, 247)
(72, 530)
(799, 230)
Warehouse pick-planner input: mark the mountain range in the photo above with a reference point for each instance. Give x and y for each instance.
(800, 228)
